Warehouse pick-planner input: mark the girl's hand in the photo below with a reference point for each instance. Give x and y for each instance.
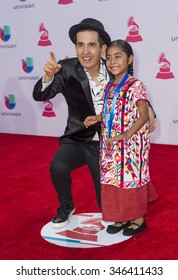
(152, 120)
(109, 142)
(124, 136)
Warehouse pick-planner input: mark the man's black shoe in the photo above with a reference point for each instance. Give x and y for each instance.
(64, 213)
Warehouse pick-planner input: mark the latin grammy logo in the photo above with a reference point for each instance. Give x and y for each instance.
(164, 70)
(134, 35)
(87, 230)
(48, 109)
(44, 41)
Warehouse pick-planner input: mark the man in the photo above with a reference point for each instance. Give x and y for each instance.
(81, 80)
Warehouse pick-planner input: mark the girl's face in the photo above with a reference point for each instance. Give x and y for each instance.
(117, 62)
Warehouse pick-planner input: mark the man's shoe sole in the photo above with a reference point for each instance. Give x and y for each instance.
(59, 225)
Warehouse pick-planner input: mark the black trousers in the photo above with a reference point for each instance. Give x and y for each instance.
(72, 156)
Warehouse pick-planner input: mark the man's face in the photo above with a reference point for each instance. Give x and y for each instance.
(88, 50)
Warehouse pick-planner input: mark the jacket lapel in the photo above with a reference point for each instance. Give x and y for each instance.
(86, 87)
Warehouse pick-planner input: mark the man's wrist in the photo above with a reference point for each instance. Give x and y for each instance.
(47, 79)
(46, 84)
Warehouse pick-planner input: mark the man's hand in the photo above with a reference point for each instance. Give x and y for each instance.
(51, 67)
(90, 120)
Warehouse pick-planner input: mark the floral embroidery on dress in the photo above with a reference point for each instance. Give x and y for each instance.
(125, 164)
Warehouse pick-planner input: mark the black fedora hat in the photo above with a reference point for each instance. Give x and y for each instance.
(89, 23)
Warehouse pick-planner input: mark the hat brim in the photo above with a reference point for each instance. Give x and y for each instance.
(74, 29)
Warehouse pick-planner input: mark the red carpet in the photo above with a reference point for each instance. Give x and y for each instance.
(28, 202)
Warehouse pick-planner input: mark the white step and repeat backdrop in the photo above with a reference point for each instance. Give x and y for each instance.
(30, 29)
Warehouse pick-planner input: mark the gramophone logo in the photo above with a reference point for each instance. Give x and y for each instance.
(27, 64)
(44, 40)
(5, 33)
(164, 70)
(133, 35)
(48, 109)
(10, 101)
(65, 2)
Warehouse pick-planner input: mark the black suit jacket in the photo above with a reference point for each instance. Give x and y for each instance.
(73, 83)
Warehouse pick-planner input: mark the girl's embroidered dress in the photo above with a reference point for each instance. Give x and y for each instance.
(126, 186)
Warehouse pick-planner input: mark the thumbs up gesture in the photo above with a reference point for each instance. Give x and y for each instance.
(51, 67)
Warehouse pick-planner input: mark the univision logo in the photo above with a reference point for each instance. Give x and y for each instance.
(10, 104)
(23, 6)
(10, 101)
(174, 38)
(5, 33)
(27, 64)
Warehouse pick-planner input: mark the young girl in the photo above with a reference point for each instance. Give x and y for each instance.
(125, 144)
